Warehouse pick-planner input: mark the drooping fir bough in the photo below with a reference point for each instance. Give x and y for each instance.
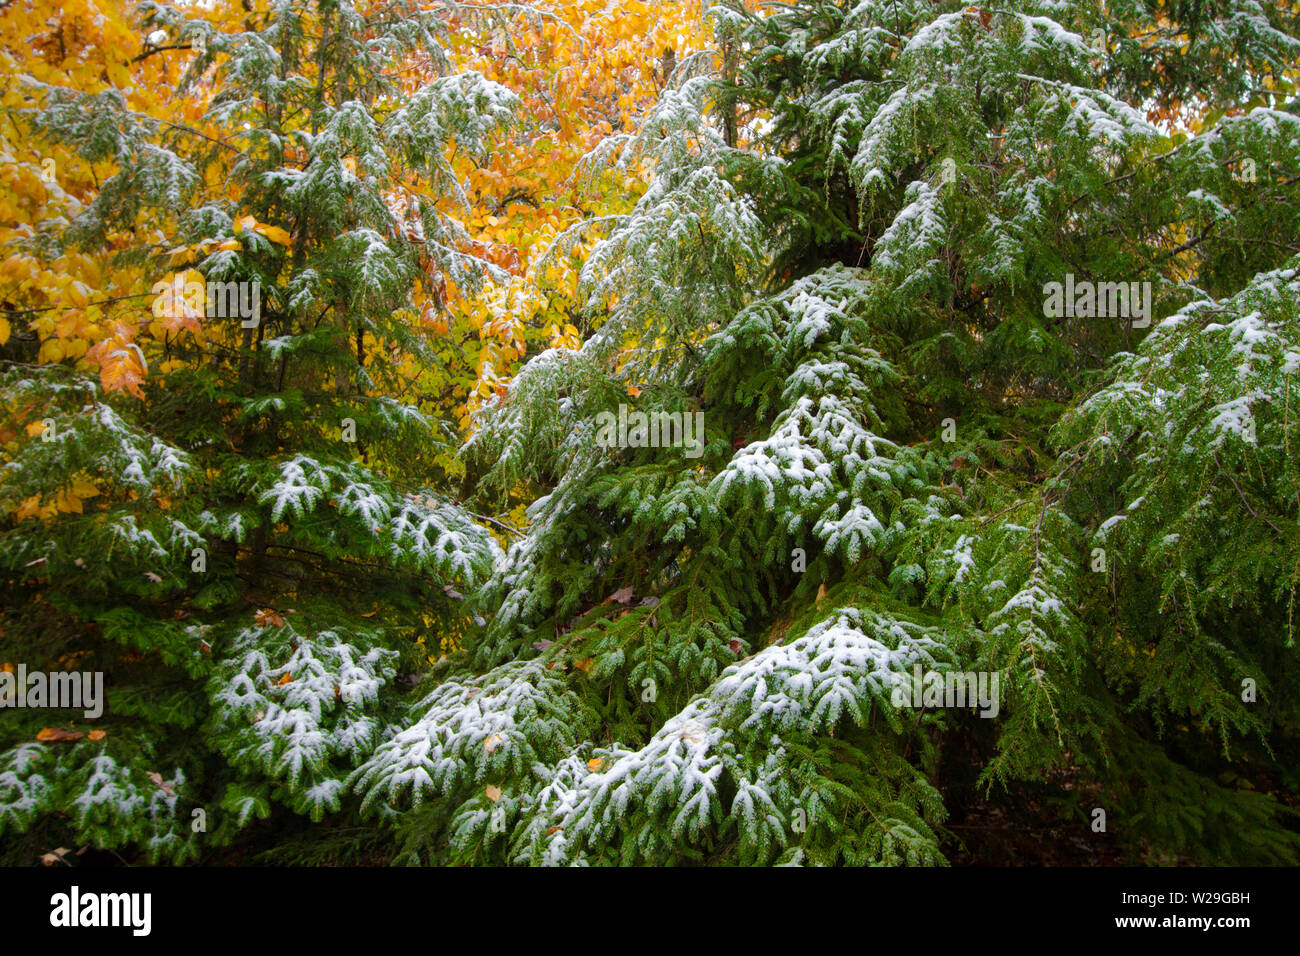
(842, 260)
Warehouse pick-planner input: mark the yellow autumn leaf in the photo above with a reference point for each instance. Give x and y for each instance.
(70, 324)
(274, 233)
(15, 266)
(31, 508)
(83, 488)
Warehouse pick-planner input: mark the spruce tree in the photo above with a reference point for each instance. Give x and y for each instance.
(269, 535)
(844, 261)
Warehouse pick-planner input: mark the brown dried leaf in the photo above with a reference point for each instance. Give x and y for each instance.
(622, 596)
(268, 617)
(160, 783)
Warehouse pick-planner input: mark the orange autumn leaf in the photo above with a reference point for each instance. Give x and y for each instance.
(56, 735)
(121, 363)
(286, 679)
(97, 734)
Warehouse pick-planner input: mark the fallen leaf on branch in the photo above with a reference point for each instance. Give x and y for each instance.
(163, 785)
(50, 735)
(622, 596)
(268, 617)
